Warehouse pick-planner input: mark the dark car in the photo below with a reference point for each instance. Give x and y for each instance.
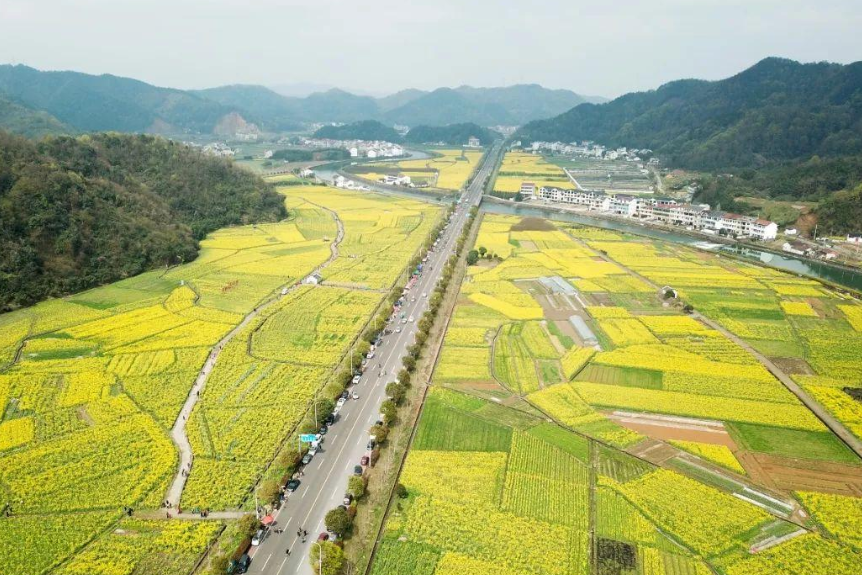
(345, 394)
(323, 536)
(357, 470)
(242, 564)
(292, 485)
(330, 419)
(306, 459)
(323, 429)
(370, 445)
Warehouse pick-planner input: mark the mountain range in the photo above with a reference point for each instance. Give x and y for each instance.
(774, 111)
(33, 102)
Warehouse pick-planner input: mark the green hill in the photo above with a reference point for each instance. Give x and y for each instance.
(454, 134)
(80, 212)
(100, 103)
(364, 130)
(776, 110)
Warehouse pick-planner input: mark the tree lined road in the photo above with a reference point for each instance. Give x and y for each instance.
(324, 479)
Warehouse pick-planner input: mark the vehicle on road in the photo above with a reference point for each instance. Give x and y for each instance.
(258, 537)
(348, 498)
(370, 355)
(357, 470)
(355, 395)
(424, 294)
(340, 402)
(306, 459)
(330, 419)
(411, 319)
(292, 485)
(241, 565)
(398, 329)
(370, 445)
(404, 320)
(313, 450)
(356, 379)
(323, 429)
(323, 537)
(345, 394)
(364, 460)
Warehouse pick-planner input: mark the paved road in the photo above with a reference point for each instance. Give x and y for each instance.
(178, 431)
(324, 480)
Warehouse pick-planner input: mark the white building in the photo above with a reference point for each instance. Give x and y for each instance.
(313, 279)
(854, 238)
(528, 190)
(473, 142)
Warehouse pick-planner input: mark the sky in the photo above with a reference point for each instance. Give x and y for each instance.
(592, 47)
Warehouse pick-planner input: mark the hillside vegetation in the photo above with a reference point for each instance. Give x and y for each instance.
(776, 110)
(76, 213)
(828, 182)
(453, 134)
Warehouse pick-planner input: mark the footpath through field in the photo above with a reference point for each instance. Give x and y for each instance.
(178, 431)
(833, 424)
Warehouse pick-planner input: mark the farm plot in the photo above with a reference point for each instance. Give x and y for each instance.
(447, 170)
(798, 322)
(519, 167)
(665, 363)
(101, 376)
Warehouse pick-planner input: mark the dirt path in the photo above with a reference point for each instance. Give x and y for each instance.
(178, 432)
(833, 424)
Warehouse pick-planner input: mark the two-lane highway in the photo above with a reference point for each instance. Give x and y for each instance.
(324, 480)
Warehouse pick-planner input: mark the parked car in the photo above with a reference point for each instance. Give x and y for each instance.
(340, 402)
(258, 537)
(292, 485)
(348, 498)
(312, 450)
(354, 395)
(306, 459)
(424, 294)
(370, 445)
(364, 460)
(370, 355)
(356, 379)
(398, 329)
(323, 537)
(411, 319)
(241, 565)
(330, 419)
(345, 394)
(357, 470)
(323, 429)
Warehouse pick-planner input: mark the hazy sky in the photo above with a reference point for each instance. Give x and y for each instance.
(594, 47)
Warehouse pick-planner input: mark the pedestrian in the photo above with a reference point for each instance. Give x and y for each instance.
(167, 514)
(287, 552)
(299, 532)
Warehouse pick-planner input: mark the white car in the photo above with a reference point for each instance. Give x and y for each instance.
(371, 355)
(313, 451)
(411, 319)
(398, 329)
(354, 395)
(356, 379)
(424, 294)
(258, 537)
(340, 402)
(404, 320)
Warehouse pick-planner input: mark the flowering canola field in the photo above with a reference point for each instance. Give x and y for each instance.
(91, 384)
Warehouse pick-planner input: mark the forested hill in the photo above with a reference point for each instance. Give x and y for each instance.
(776, 110)
(454, 134)
(79, 212)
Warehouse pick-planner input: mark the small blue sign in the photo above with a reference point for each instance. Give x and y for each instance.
(307, 437)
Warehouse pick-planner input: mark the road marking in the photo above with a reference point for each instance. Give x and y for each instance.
(267, 561)
(282, 566)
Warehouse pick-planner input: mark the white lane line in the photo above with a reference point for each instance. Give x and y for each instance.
(282, 566)
(267, 561)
